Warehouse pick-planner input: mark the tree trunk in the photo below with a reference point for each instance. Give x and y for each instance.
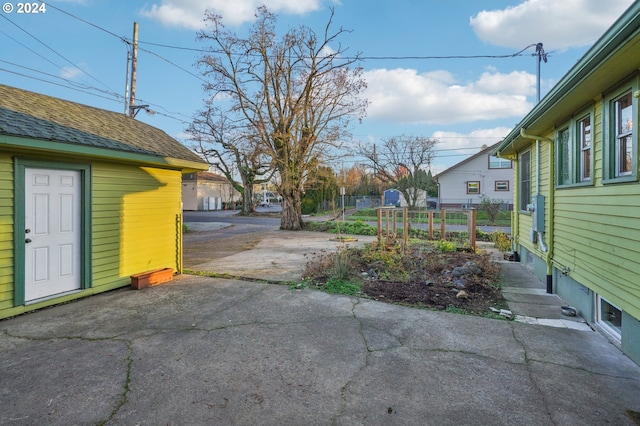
(291, 219)
(247, 200)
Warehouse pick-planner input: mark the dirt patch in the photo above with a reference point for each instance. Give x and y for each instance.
(420, 276)
(202, 247)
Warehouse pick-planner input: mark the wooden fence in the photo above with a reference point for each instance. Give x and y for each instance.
(454, 225)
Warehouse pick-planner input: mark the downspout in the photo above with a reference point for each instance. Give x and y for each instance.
(545, 249)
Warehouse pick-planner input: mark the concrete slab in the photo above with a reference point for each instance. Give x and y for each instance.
(280, 256)
(201, 350)
(215, 351)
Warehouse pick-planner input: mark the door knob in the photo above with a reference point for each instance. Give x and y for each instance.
(26, 231)
(28, 240)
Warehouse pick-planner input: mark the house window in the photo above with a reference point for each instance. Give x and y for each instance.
(564, 157)
(573, 152)
(609, 317)
(473, 187)
(499, 163)
(620, 137)
(525, 180)
(584, 141)
(502, 185)
(623, 134)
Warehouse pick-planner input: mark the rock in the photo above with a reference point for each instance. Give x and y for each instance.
(496, 310)
(460, 283)
(473, 267)
(459, 271)
(428, 283)
(462, 295)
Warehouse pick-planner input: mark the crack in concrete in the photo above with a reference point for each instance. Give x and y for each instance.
(127, 386)
(534, 382)
(129, 359)
(343, 389)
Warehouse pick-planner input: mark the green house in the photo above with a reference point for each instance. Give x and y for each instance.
(576, 219)
(88, 198)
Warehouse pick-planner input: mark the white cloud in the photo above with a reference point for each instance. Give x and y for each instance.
(70, 73)
(404, 96)
(559, 24)
(190, 13)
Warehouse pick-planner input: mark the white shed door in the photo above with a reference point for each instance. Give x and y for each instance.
(52, 232)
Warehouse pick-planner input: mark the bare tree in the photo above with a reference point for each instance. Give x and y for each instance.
(400, 161)
(224, 145)
(296, 94)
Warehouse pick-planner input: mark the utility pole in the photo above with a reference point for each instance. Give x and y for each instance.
(134, 70)
(126, 83)
(542, 56)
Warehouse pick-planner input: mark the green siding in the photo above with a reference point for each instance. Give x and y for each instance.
(526, 219)
(597, 233)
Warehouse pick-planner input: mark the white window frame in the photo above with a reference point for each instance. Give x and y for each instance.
(497, 183)
(585, 145)
(612, 332)
(571, 153)
(501, 163)
(613, 135)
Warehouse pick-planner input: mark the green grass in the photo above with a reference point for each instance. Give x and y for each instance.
(357, 227)
(342, 286)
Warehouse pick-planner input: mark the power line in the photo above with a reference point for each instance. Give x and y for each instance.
(73, 83)
(54, 51)
(49, 5)
(175, 65)
(56, 84)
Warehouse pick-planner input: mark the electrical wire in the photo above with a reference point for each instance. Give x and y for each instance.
(54, 51)
(174, 64)
(79, 86)
(56, 84)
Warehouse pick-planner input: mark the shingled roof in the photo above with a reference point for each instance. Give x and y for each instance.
(36, 116)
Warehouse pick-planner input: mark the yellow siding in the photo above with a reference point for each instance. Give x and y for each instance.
(6, 231)
(136, 215)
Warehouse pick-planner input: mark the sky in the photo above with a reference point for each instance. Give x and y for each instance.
(417, 58)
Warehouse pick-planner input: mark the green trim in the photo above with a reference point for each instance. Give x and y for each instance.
(19, 225)
(609, 141)
(575, 151)
(625, 28)
(520, 207)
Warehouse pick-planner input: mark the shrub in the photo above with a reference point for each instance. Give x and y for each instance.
(445, 246)
(341, 267)
(308, 206)
(354, 228)
(501, 240)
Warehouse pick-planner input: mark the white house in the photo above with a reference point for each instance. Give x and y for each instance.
(207, 191)
(465, 184)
